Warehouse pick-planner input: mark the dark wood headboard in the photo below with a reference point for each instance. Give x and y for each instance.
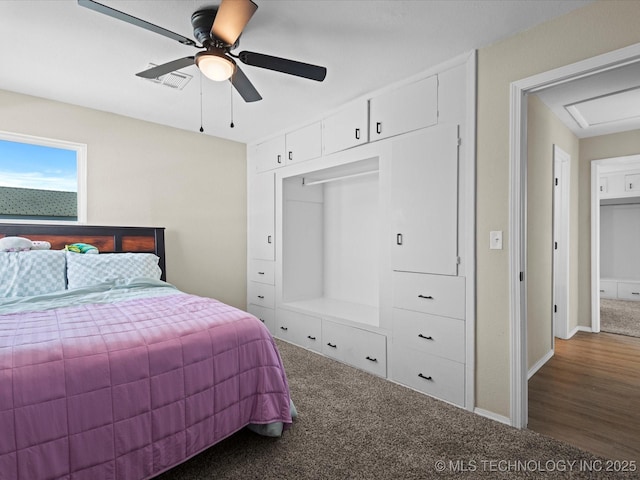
(105, 239)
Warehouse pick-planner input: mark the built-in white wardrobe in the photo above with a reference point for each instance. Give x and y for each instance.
(361, 227)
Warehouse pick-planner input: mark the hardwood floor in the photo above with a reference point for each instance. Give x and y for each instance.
(588, 395)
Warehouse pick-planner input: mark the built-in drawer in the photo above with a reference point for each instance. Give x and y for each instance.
(361, 348)
(262, 271)
(628, 291)
(608, 289)
(301, 329)
(440, 336)
(436, 376)
(435, 294)
(266, 315)
(261, 294)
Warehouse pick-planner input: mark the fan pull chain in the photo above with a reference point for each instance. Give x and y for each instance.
(201, 129)
(231, 96)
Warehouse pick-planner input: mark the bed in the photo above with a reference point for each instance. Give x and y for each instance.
(119, 375)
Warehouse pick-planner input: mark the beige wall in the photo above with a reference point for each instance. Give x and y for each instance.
(596, 148)
(544, 130)
(144, 174)
(595, 29)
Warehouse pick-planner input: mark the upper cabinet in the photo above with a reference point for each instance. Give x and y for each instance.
(270, 154)
(424, 201)
(345, 129)
(620, 184)
(304, 143)
(404, 109)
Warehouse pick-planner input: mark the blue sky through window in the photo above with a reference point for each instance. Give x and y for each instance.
(41, 167)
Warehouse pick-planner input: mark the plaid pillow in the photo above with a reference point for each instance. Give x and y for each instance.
(35, 272)
(87, 270)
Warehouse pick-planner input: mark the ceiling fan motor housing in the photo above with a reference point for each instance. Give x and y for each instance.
(202, 20)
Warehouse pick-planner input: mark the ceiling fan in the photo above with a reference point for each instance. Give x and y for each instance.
(218, 30)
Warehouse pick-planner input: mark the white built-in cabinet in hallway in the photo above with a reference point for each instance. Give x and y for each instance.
(361, 233)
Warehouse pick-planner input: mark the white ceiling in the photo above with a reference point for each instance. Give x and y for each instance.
(598, 104)
(61, 51)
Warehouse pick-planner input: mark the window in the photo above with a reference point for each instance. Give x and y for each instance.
(42, 179)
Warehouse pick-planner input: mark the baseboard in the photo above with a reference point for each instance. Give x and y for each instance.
(492, 416)
(538, 365)
(579, 328)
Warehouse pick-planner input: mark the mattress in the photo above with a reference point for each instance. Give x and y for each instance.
(125, 381)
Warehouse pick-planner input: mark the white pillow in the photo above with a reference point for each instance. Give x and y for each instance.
(15, 244)
(37, 272)
(88, 270)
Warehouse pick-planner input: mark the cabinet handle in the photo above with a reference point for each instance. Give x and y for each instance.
(261, 297)
(426, 297)
(284, 328)
(635, 293)
(426, 338)
(630, 186)
(260, 273)
(378, 128)
(310, 337)
(262, 320)
(426, 378)
(357, 134)
(332, 345)
(279, 158)
(371, 359)
(601, 291)
(399, 239)
(268, 238)
(290, 155)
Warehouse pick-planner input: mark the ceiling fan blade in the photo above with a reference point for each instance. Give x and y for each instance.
(167, 68)
(291, 67)
(98, 7)
(244, 87)
(232, 17)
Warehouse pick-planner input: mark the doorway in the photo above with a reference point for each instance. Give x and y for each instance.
(518, 202)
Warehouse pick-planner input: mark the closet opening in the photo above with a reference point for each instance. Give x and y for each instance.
(330, 245)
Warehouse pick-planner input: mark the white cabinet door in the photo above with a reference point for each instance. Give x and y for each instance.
(404, 109)
(632, 182)
(345, 129)
(424, 201)
(304, 143)
(270, 154)
(262, 216)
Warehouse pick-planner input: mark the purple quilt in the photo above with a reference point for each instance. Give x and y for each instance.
(129, 389)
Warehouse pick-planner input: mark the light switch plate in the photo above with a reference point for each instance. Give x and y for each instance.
(495, 240)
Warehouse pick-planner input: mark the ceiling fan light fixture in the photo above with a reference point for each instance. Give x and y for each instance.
(215, 65)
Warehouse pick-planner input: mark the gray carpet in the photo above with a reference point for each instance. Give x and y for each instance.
(353, 425)
(620, 316)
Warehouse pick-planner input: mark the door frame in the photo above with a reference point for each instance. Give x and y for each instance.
(518, 204)
(561, 235)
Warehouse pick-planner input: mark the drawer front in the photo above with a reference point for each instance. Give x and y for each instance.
(360, 348)
(262, 271)
(435, 294)
(261, 294)
(436, 376)
(266, 315)
(628, 291)
(608, 289)
(440, 336)
(298, 328)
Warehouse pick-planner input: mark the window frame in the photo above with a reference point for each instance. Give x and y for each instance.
(81, 173)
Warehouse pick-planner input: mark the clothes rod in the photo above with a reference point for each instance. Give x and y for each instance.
(333, 179)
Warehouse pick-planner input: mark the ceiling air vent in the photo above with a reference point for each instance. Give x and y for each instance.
(176, 80)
